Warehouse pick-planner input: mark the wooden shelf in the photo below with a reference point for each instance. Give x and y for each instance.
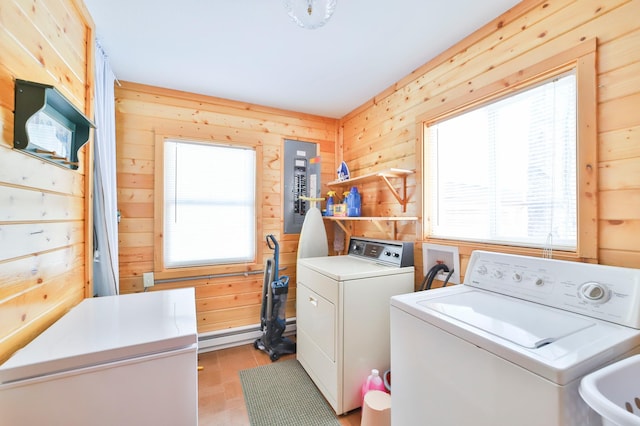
(383, 175)
(375, 220)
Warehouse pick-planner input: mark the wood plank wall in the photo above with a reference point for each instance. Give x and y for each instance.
(44, 267)
(383, 132)
(142, 112)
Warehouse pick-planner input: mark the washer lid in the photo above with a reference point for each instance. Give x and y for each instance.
(105, 329)
(342, 268)
(525, 324)
(579, 344)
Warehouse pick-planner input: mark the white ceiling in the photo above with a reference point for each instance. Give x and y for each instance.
(251, 51)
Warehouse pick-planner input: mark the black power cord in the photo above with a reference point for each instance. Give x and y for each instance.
(433, 273)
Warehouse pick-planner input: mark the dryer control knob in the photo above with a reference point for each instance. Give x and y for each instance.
(482, 270)
(517, 277)
(594, 292)
(497, 273)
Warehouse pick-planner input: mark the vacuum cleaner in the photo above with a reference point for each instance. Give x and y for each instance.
(272, 313)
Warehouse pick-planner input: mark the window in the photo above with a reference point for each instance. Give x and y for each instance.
(490, 212)
(209, 204)
(505, 172)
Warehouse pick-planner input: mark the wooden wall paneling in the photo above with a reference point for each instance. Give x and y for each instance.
(35, 27)
(20, 169)
(143, 113)
(135, 195)
(395, 150)
(17, 240)
(33, 323)
(426, 82)
(528, 34)
(620, 82)
(19, 275)
(620, 48)
(296, 122)
(131, 284)
(29, 205)
(66, 35)
(140, 151)
(45, 259)
(132, 225)
(136, 239)
(626, 259)
(230, 318)
(39, 300)
(7, 100)
(620, 174)
(135, 269)
(135, 166)
(229, 286)
(134, 180)
(615, 234)
(620, 204)
(509, 54)
(135, 254)
(619, 113)
(256, 127)
(136, 210)
(619, 144)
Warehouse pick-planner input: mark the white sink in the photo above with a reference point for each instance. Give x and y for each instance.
(614, 392)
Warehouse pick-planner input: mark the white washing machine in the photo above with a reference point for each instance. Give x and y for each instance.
(342, 317)
(510, 345)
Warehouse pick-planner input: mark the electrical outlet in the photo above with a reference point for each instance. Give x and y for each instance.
(147, 279)
(433, 254)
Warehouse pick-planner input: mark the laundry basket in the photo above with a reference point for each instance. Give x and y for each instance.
(614, 392)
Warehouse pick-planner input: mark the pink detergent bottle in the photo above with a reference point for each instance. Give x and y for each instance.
(373, 382)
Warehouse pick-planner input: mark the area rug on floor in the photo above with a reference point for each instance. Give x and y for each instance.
(282, 394)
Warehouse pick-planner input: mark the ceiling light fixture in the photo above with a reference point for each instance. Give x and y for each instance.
(310, 14)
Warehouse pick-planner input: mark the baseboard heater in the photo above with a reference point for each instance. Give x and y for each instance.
(231, 337)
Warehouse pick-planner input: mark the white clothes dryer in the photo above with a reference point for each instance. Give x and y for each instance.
(510, 345)
(342, 315)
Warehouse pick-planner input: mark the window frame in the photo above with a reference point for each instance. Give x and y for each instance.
(161, 271)
(583, 59)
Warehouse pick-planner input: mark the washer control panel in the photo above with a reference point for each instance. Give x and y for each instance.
(393, 253)
(605, 292)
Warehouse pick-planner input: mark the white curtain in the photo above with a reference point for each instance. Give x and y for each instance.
(105, 210)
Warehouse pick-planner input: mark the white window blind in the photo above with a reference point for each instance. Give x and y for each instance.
(505, 172)
(209, 204)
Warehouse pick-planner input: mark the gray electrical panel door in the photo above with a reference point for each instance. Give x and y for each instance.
(297, 180)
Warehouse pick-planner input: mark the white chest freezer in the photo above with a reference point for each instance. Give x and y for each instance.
(118, 360)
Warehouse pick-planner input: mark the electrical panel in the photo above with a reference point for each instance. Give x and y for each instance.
(300, 180)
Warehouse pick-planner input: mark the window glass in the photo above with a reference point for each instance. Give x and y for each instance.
(505, 172)
(209, 204)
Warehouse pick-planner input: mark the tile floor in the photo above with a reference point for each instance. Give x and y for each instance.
(221, 402)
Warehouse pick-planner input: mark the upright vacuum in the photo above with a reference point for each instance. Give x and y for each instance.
(272, 313)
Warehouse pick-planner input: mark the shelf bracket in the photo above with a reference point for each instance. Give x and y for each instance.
(344, 228)
(383, 230)
(402, 199)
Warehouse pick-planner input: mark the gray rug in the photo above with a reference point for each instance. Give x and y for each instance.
(282, 394)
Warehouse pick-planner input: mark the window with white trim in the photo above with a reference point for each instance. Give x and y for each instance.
(505, 172)
(209, 204)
